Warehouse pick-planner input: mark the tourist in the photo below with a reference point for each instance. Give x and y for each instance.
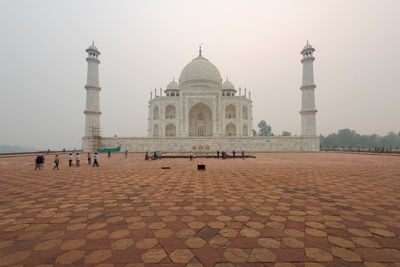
(78, 160)
(109, 154)
(234, 154)
(242, 154)
(37, 163)
(223, 154)
(41, 165)
(159, 154)
(155, 155)
(70, 159)
(146, 156)
(227, 154)
(217, 154)
(190, 155)
(126, 153)
(56, 161)
(95, 158)
(89, 158)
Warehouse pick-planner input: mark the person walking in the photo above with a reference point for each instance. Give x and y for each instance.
(70, 159)
(95, 158)
(190, 155)
(126, 153)
(146, 156)
(109, 154)
(227, 154)
(242, 154)
(217, 154)
(159, 154)
(56, 161)
(89, 158)
(78, 160)
(234, 154)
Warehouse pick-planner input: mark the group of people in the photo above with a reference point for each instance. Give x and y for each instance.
(156, 155)
(226, 154)
(78, 159)
(39, 162)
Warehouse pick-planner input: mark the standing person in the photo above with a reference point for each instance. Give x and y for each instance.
(217, 154)
(95, 157)
(155, 155)
(109, 154)
(227, 154)
(41, 162)
(37, 163)
(242, 154)
(126, 153)
(146, 156)
(78, 160)
(234, 154)
(89, 158)
(70, 159)
(56, 161)
(159, 154)
(190, 155)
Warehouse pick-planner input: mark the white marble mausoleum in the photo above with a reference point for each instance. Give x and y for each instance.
(200, 112)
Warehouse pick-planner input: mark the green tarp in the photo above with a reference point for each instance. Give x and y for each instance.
(115, 149)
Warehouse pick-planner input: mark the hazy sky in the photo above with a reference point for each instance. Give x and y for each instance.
(146, 43)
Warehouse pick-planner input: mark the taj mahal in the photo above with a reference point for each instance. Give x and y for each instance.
(200, 112)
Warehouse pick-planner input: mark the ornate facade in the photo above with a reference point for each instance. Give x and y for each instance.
(200, 105)
(201, 113)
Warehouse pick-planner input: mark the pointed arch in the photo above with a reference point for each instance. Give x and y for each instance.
(170, 112)
(170, 130)
(230, 111)
(230, 129)
(245, 130)
(156, 130)
(156, 113)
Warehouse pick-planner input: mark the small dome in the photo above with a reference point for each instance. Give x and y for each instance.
(173, 86)
(200, 69)
(93, 47)
(227, 85)
(308, 46)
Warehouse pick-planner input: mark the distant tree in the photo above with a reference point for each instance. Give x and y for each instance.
(349, 138)
(286, 133)
(254, 132)
(264, 129)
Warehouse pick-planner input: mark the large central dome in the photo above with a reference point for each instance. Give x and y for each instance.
(200, 69)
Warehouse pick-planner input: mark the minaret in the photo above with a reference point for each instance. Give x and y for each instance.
(308, 122)
(92, 111)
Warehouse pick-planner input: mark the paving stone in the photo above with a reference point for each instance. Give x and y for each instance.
(261, 255)
(122, 243)
(341, 242)
(195, 242)
(293, 242)
(153, 256)
(181, 255)
(146, 243)
(98, 256)
(70, 257)
(345, 254)
(269, 242)
(318, 254)
(235, 255)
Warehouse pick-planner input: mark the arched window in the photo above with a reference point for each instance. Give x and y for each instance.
(230, 112)
(156, 130)
(200, 117)
(172, 94)
(170, 112)
(170, 130)
(156, 113)
(230, 129)
(245, 130)
(245, 114)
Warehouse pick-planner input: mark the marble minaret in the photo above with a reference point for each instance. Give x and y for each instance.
(92, 111)
(308, 122)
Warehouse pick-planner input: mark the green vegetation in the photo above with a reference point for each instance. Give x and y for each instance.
(352, 140)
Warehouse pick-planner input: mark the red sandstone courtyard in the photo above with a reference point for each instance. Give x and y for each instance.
(278, 209)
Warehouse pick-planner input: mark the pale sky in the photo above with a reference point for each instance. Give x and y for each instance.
(144, 44)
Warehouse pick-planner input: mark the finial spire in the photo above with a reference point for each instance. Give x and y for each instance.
(173, 79)
(307, 41)
(200, 50)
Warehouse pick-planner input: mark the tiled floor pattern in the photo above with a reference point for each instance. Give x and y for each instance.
(228, 215)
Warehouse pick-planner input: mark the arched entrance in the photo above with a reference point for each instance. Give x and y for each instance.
(230, 129)
(170, 130)
(200, 120)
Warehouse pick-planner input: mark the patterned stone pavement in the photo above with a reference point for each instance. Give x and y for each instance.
(280, 209)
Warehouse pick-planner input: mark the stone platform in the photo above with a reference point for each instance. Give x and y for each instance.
(282, 209)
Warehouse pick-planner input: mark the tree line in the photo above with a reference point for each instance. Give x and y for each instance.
(344, 138)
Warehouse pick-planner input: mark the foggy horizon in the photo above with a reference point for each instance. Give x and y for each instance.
(143, 45)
